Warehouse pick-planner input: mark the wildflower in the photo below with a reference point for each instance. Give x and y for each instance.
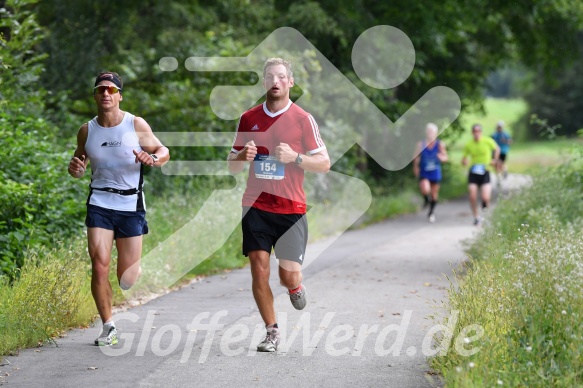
(528, 348)
(564, 312)
(471, 365)
(499, 382)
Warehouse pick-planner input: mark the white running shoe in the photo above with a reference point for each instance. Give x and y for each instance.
(107, 337)
(270, 342)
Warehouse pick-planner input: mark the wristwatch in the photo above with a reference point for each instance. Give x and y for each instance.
(154, 158)
(299, 159)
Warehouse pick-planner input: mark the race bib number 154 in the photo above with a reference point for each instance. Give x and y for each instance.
(268, 167)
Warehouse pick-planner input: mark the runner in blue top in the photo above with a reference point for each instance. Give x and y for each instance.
(503, 139)
(429, 155)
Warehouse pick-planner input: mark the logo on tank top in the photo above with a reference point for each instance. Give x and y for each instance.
(111, 144)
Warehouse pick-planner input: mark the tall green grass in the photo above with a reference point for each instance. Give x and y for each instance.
(524, 286)
(51, 294)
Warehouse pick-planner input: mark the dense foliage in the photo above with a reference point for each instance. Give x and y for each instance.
(458, 44)
(37, 206)
(558, 99)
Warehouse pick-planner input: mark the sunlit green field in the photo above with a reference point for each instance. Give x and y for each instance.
(523, 156)
(508, 110)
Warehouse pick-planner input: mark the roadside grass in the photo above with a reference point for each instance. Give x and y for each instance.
(51, 294)
(386, 206)
(524, 287)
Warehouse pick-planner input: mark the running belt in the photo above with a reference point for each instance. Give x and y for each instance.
(116, 191)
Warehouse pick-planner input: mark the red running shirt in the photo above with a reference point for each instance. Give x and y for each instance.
(272, 186)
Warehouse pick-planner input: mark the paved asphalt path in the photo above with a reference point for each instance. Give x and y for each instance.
(365, 323)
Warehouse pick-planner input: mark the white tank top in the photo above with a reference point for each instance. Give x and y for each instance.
(113, 165)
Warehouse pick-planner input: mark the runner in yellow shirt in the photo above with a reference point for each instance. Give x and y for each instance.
(479, 149)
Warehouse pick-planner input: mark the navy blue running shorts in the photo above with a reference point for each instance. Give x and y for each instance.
(287, 234)
(123, 223)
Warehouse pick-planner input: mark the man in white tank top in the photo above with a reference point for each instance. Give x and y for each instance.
(118, 145)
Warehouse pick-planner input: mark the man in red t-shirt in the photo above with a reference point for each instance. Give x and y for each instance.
(280, 140)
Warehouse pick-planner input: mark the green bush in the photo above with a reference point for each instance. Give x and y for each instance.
(39, 203)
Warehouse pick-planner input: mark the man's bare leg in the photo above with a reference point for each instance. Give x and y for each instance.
(129, 250)
(100, 242)
(260, 271)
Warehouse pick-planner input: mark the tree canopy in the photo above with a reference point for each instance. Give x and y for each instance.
(458, 44)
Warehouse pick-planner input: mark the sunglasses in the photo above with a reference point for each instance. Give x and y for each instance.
(102, 88)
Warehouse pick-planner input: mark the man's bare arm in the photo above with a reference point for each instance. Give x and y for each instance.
(237, 160)
(150, 145)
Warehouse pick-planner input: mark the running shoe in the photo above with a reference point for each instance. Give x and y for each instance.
(270, 342)
(432, 218)
(107, 337)
(477, 221)
(298, 298)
